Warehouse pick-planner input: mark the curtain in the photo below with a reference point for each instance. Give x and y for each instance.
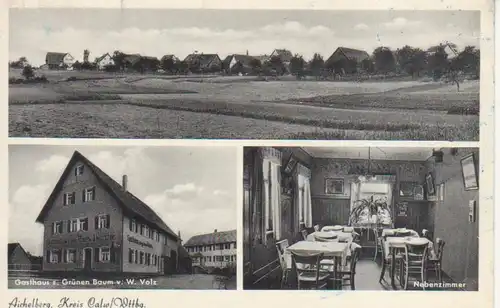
(307, 201)
(275, 200)
(271, 163)
(304, 199)
(385, 217)
(354, 196)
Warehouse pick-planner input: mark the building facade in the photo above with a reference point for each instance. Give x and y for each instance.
(93, 224)
(58, 60)
(18, 258)
(213, 250)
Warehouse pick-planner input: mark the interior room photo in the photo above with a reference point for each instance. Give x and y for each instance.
(361, 218)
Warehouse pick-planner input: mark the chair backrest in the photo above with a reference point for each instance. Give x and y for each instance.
(306, 263)
(304, 234)
(402, 233)
(316, 228)
(416, 252)
(280, 247)
(440, 247)
(355, 251)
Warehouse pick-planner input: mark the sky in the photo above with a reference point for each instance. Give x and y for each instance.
(193, 189)
(34, 32)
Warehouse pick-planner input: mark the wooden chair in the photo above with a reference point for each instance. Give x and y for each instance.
(304, 234)
(434, 262)
(414, 262)
(347, 272)
(387, 260)
(309, 273)
(379, 245)
(281, 246)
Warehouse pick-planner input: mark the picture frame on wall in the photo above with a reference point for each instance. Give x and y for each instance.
(334, 186)
(429, 185)
(469, 172)
(418, 192)
(290, 165)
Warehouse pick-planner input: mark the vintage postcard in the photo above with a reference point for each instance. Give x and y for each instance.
(97, 217)
(377, 233)
(219, 74)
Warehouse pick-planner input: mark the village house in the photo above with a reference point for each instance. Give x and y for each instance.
(213, 250)
(18, 258)
(203, 62)
(103, 61)
(346, 60)
(449, 49)
(235, 64)
(58, 60)
(93, 224)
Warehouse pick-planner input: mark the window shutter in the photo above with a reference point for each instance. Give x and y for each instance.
(52, 227)
(96, 222)
(65, 256)
(76, 170)
(112, 254)
(86, 224)
(69, 226)
(60, 227)
(93, 193)
(108, 220)
(47, 255)
(83, 195)
(130, 253)
(83, 168)
(60, 256)
(64, 199)
(130, 225)
(96, 255)
(73, 197)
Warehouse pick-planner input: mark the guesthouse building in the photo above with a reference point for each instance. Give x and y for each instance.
(213, 250)
(93, 224)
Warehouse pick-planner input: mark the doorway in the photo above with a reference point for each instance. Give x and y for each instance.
(87, 259)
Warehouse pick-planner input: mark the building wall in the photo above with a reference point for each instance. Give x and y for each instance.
(107, 60)
(158, 248)
(213, 254)
(103, 204)
(68, 60)
(19, 258)
(450, 220)
(335, 209)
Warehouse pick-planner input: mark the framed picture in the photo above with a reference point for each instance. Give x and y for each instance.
(406, 189)
(418, 192)
(290, 165)
(429, 184)
(334, 186)
(469, 172)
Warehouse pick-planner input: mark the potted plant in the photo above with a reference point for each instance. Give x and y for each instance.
(374, 207)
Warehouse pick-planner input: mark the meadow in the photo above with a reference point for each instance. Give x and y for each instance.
(94, 104)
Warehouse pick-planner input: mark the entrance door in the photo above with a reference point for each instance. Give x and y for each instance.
(87, 259)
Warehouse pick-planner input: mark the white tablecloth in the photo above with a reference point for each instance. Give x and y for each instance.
(399, 242)
(390, 232)
(330, 249)
(334, 235)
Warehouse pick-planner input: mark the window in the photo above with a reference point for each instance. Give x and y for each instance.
(227, 246)
(79, 170)
(55, 256)
(74, 225)
(69, 198)
(146, 231)
(234, 245)
(102, 221)
(272, 193)
(142, 229)
(157, 236)
(83, 224)
(104, 254)
(57, 227)
(133, 227)
(227, 258)
(136, 256)
(71, 256)
(89, 194)
(131, 256)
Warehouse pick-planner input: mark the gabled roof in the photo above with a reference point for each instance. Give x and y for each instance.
(349, 53)
(202, 59)
(12, 246)
(212, 238)
(454, 51)
(130, 203)
(284, 54)
(132, 59)
(55, 57)
(99, 59)
(245, 60)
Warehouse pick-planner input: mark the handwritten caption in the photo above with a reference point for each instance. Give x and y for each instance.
(67, 302)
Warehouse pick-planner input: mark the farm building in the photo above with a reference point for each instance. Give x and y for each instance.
(213, 250)
(93, 224)
(284, 54)
(59, 60)
(104, 61)
(204, 62)
(17, 257)
(346, 60)
(234, 64)
(449, 49)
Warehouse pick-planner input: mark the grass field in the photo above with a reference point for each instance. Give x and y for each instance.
(140, 106)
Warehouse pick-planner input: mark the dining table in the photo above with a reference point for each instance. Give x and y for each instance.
(330, 235)
(337, 251)
(392, 244)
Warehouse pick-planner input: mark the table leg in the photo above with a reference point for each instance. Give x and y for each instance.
(393, 267)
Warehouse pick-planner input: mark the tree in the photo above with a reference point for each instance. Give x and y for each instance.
(77, 65)
(411, 60)
(467, 61)
(277, 65)
(316, 65)
(256, 66)
(28, 72)
(437, 63)
(168, 65)
(297, 65)
(182, 67)
(384, 60)
(368, 66)
(119, 57)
